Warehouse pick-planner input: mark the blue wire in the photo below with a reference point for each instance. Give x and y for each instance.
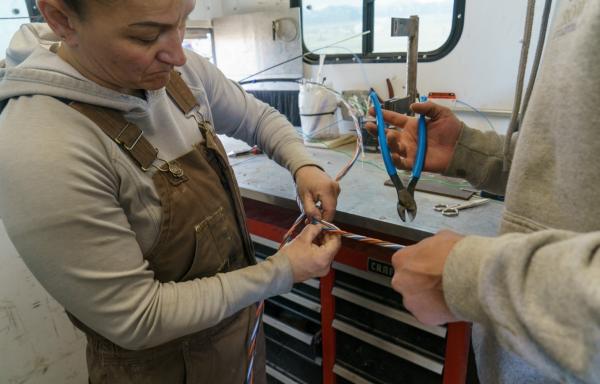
(250, 365)
(477, 111)
(359, 61)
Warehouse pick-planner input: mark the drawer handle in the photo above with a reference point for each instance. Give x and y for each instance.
(306, 303)
(283, 327)
(387, 311)
(348, 375)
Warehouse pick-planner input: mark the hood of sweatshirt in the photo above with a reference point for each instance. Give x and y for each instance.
(31, 68)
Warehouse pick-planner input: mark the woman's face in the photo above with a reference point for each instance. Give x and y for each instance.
(131, 44)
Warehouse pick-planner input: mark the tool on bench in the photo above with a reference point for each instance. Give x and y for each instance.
(254, 151)
(453, 210)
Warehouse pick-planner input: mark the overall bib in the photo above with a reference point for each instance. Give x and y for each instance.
(202, 233)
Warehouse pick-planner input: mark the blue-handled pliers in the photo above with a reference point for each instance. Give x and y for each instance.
(406, 201)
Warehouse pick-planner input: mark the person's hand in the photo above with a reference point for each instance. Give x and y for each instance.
(309, 259)
(314, 185)
(443, 130)
(417, 277)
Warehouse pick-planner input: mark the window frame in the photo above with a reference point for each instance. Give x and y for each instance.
(189, 30)
(367, 55)
(34, 13)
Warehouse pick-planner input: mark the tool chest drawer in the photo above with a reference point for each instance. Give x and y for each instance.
(292, 324)
(308, 289)
(274, 376)
(294, 330)
(357, 282)
(291, 364)
(293, 338)
(388, 324)
(298, 305)
(347, 376)
(380, 361)
(377, 340)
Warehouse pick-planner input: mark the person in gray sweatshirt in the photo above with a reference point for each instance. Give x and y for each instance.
(532, 292)
(117, 193)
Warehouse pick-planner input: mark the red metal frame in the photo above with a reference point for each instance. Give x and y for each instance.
(456, 360)
(327, 315)
(272, 223)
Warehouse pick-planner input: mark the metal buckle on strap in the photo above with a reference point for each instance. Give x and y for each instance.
(128, 147)
(203, 124)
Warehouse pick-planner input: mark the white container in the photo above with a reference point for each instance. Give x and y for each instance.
(318, 108)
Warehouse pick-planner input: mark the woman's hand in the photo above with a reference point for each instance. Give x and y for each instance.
(443, 130)
(309, 259)
(314, 185)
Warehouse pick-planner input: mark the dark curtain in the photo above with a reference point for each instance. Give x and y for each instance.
(285, 102)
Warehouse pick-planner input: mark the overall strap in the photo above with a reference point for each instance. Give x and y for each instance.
(128, 135)
(181, 93)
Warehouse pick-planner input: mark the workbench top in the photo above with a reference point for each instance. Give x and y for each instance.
(364, 201)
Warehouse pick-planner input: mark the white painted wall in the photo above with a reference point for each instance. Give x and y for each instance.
(231, 7)
(211, 9)
(9, 9)
(207, 10)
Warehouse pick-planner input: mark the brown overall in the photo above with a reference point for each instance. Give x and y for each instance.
(202, 233)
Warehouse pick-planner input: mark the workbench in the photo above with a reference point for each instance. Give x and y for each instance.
(350, 326)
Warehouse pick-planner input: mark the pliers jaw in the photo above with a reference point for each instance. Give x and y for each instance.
(406, 202)
(407, 207)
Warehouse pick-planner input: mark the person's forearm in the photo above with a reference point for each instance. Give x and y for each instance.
(538, 291)
(283, 144)
(172, 310)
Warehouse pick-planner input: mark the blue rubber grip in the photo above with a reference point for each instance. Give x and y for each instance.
(385, 152)
(421, 148)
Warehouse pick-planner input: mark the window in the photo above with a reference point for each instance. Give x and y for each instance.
(200, 40)
(13, 13)
(327, 21)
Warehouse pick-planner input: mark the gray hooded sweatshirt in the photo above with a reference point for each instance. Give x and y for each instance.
(534, 291)
(82, 214)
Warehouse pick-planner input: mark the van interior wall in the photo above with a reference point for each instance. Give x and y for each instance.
(210, 9)
(481, 69)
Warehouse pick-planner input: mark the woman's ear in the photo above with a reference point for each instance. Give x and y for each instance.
(61, 19)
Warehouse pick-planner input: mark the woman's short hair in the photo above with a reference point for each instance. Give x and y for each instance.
(79, 5)
(76, 5)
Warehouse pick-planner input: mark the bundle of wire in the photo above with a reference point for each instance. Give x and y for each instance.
(330, 228)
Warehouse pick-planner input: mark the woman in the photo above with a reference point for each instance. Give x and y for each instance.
(116, 191)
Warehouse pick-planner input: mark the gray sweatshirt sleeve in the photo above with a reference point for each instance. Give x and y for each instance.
(478, 158)
(238, 114)
(59, 202)
(540, 293)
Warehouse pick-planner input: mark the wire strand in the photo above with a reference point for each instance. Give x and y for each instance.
(478, 112)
